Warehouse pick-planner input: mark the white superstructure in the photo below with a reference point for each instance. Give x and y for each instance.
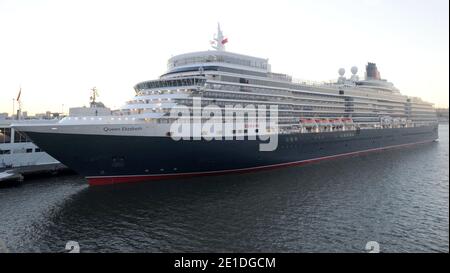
(16, 150)
(224, 78)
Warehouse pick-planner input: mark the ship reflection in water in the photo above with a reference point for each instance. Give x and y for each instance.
(398, 198)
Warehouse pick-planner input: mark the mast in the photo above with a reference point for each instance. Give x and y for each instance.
(219, 40)
(93, 97)
(19, 101)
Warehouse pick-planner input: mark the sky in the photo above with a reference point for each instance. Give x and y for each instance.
(56, 51)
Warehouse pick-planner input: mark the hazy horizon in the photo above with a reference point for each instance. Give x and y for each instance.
(56, 51)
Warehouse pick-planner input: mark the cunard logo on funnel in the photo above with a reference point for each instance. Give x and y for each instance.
(232, 122)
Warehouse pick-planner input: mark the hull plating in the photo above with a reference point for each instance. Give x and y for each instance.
(116, 159)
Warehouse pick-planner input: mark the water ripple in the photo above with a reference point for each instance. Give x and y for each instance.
(399, 198)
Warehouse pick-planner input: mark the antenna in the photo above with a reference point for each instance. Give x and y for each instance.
(94, 95)
(219, 40)
(341, 78)
(19, 101)
(354, 76)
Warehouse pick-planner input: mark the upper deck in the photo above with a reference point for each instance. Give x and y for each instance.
(218, 58)
(221, 78)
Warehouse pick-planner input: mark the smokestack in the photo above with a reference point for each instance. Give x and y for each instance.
(372, 72)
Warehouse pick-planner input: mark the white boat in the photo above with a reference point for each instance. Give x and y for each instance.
(17, 151)
(19, 155)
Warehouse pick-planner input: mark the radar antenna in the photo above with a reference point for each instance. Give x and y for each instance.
(219, 40)
(341, 79)
(354, 77)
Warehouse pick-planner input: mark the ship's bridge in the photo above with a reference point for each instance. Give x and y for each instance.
(217, 58)
(170, 83)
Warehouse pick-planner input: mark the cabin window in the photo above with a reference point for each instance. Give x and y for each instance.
(37, 150)
(20, 137)
(5, 152)
(29, 151)
(242, 80)
(5, 135)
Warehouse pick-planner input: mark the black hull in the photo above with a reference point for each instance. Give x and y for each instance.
(111, 159)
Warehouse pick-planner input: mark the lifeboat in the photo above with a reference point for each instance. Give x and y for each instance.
(323, 122)
(308, 122)
(336, 121)
(347, 120)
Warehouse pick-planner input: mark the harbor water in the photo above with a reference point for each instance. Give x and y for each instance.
(398, 198)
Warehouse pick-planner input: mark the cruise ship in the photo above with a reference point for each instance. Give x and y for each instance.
(306, 121)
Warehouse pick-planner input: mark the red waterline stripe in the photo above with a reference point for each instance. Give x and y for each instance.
(107, 180)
